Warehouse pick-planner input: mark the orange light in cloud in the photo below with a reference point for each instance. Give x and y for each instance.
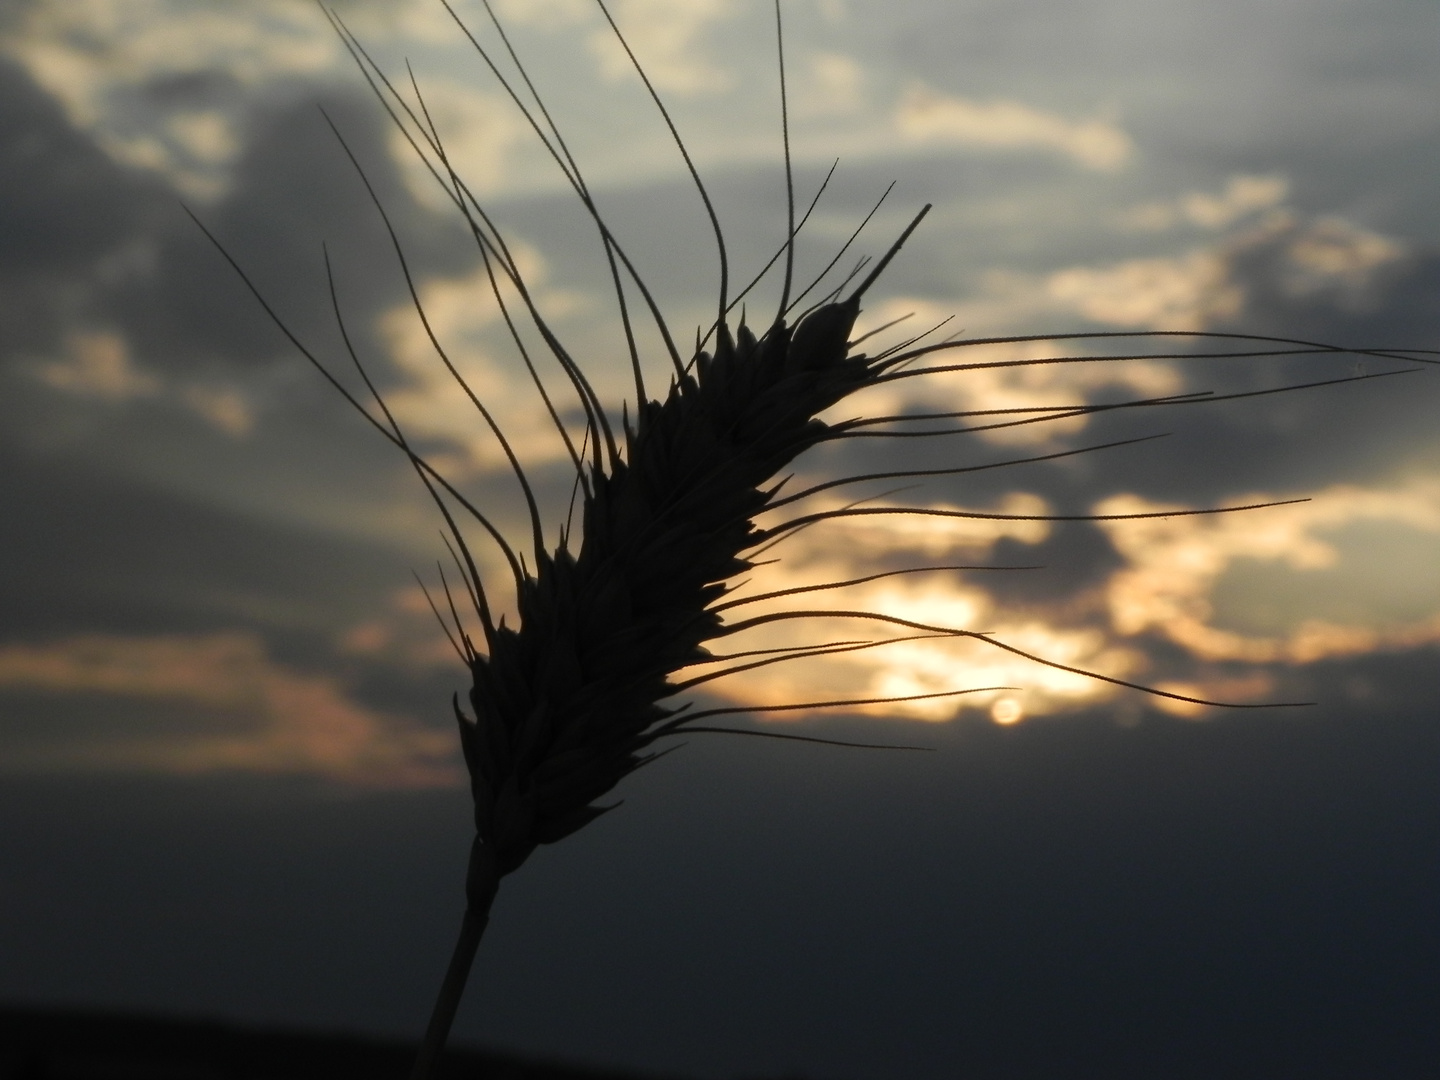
(1175, 565)
(291, 723)
(905, 667)
(1251, 689)
(408, 634)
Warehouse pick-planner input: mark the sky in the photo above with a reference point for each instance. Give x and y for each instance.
(231, 783)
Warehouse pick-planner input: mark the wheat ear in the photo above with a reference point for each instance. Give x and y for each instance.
(574, 698)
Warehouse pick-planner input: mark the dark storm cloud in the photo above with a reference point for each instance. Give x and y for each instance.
(89, 247)
(1391, 306)
(64, 207)
(1309, 438)
(91, 551)
(1285, 439)
(84, 240)
(293, 190)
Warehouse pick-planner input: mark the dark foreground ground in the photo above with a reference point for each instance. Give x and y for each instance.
(38, 1044)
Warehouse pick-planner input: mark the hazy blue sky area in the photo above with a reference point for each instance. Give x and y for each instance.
(229, 783)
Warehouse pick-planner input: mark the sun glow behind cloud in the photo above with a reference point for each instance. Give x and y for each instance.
(917, 662)
(1173, 570)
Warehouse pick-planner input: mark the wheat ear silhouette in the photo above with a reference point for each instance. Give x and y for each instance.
(576, 696)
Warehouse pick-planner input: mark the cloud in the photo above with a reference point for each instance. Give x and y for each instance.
(479, 132)
(67, 215)
(223, 407)
(830, 84)
(1214, 285)
(871, 538)
(846, 548)
(206, 135)
(407, 632)
(1321, 278)
(1187, 292)
(98, 364)
(549, 14)
(1011, 686)
(243, 712)
(665, 36)
(930, 117)
(1052, 386)
(1349, 572)
(1242, 196)
(166, 85)
(463, 313)
(108, 62)
(1334, 254)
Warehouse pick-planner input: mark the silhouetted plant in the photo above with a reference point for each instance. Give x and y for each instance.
(577, 694)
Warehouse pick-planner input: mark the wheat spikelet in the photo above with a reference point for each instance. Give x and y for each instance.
(565, 704)
(576, 695)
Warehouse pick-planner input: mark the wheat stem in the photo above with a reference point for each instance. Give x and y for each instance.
(481, 883)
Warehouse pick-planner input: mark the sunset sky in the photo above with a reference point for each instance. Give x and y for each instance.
(230, 781)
